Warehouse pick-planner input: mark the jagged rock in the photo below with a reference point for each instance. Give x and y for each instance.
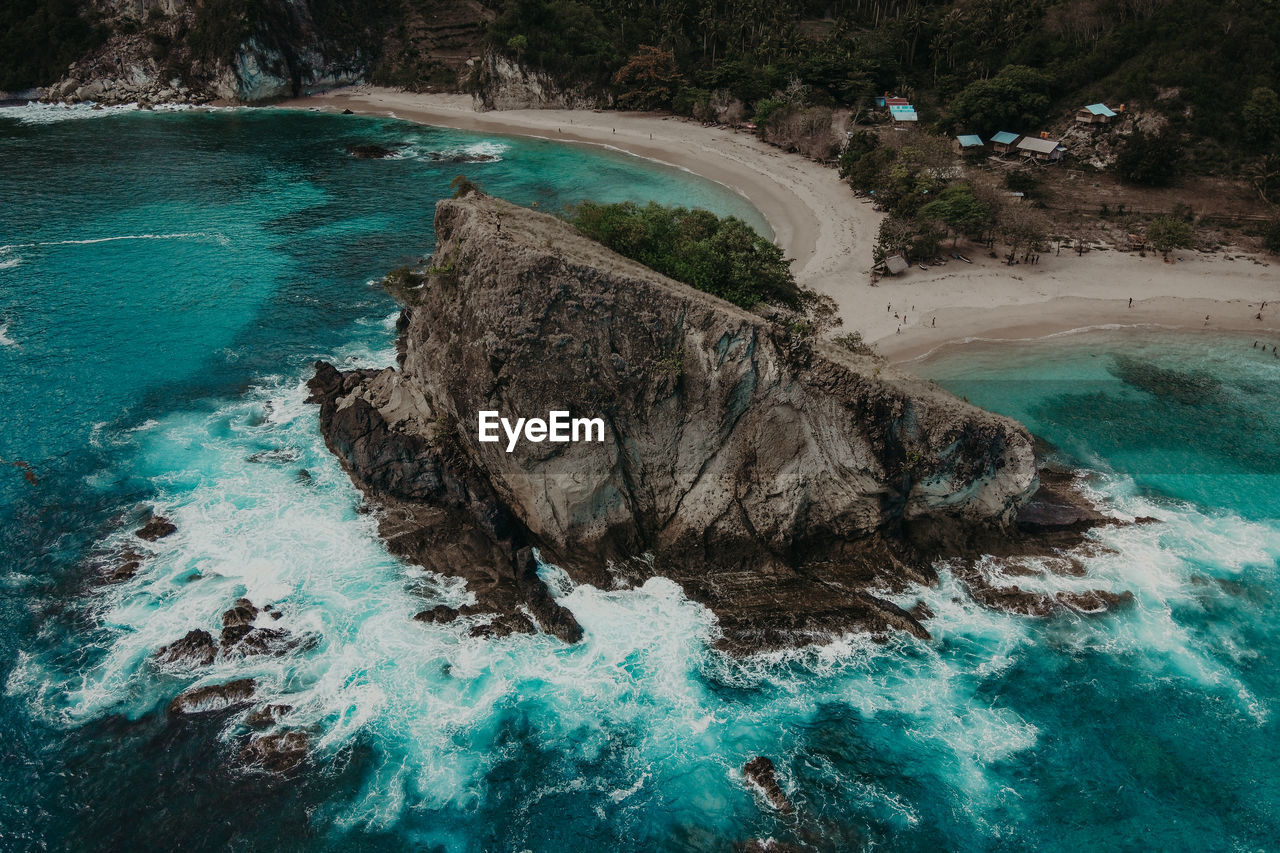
(119, 567)
(266, 716)
(241, 613)
(214, 697)
(760, 773)
(920, 611)
(1015, 599)
(197, 648)
(551, 615)
(278, 752)
(1095, 600)
(244, 640)
(504, 625)
(439, 614)
(369, 152)
(777, 480)
(157, 527)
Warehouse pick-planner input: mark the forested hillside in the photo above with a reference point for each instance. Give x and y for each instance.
(1211, 68)
(1200, 63)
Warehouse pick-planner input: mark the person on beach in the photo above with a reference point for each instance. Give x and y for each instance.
(1130, 301)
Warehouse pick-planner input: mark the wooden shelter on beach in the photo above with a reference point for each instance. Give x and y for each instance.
(896, 264)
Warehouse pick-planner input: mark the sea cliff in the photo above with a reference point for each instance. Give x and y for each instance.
(784, 482)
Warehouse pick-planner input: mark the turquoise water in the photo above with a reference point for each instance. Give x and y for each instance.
(167, 369)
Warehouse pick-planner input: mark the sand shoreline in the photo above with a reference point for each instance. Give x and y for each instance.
(829, 234)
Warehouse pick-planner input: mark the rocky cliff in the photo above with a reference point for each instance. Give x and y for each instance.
(234, 50)
(501, 83)
(781, 482)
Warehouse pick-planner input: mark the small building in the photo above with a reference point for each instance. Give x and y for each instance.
(896, 264)
(903, 112)
(1003, 142)
(969, 143)
(1039, 148)
(1095, 114)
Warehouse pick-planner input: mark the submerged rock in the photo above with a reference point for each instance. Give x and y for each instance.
(266, 716)
(197, 648)
(278, 752)
(369, 151)
(461, 157)
(779, 481)
(760, 773)
(214, 697)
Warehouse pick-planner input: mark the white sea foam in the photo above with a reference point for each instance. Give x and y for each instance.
(214, 236)
(9, 263)
(432, 701)
(491, 149)
(5, 340)
(41, 113)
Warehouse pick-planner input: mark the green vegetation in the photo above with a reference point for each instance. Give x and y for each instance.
(1017, 97)
(1149, 159)
(853, 342)
(40, 38)
(1207, 67)
(960, 210)
(1167, 233)
(722, 256)
(1271, 237)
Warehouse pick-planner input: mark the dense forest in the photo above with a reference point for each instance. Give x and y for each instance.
(1211, 67)
(967, 64)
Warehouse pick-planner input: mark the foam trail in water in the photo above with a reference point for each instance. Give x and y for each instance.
(5, 340)
(221, 239)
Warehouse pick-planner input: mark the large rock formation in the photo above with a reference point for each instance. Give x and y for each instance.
(501, 83)
(178, 51)
(780, 481)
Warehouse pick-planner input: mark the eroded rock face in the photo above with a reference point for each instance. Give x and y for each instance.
(778, 482)
(503, 84)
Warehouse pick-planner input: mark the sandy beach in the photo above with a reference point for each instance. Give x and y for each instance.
(829, 233)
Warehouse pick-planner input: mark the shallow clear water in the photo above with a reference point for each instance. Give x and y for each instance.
(167, 369)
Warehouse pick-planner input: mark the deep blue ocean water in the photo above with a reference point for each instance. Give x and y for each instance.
(166, 281)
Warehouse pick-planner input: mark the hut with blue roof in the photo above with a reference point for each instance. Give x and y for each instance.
(1003, 142)
(969, 143)
(1095, 114)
